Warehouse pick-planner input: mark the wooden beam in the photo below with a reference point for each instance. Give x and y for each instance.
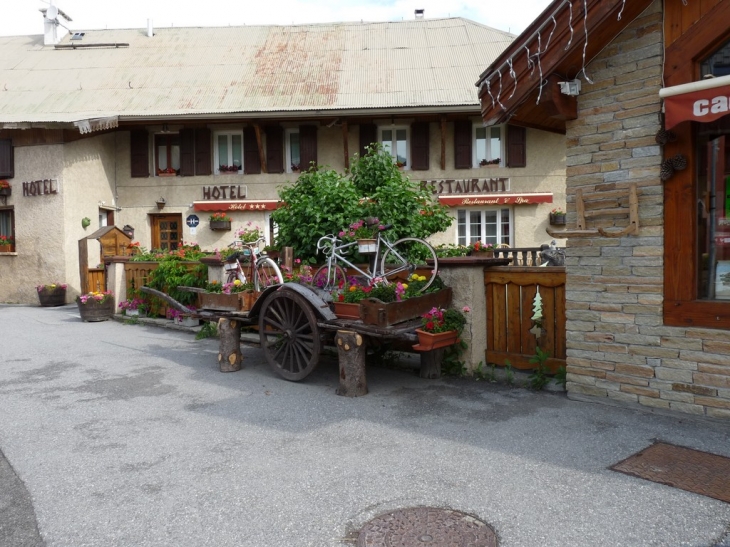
(262, 155)
(443, 142)
(345, 144)
(557, 104)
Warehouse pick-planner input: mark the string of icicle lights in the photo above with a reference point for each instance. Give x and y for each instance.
(534, 58)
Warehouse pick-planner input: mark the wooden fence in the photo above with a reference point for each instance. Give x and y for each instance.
(511, 332)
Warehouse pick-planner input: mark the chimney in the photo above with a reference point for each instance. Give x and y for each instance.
(419, 13)
(150, 34)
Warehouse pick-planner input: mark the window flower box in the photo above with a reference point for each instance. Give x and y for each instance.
(220, 225)
(557, 219)
(6, 191)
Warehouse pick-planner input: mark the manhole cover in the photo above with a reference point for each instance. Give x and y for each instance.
(680, 467)
(426, 527)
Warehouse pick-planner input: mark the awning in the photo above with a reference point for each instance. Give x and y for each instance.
(704, 101)
(97, 124)
(465, 200)
(238, 205)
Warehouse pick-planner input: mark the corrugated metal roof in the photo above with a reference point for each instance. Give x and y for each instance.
(179, 71)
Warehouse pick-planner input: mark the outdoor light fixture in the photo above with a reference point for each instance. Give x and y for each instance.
(571, 88)
(161, 203)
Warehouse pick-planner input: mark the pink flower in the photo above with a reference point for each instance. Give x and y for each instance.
(466, 309)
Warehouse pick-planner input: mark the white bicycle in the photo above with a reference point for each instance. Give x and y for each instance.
(261, 269)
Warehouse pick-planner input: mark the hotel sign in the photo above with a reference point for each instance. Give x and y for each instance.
(40, 187)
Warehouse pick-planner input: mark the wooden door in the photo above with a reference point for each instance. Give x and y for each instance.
(166, 232)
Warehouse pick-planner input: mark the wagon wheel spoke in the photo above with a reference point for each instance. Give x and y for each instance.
(289, 334)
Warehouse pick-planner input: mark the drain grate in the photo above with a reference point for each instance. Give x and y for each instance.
(685, 468)
(426, 527)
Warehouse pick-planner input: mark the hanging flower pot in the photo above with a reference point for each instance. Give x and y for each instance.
(220, 225)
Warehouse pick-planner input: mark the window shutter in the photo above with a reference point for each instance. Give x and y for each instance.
(368, 135)
(274, 149)
(7, 162)
(516, 146)
(203, 158)
(307, 145)
(187, 152)
(462, 144)
(419, 146)
(139, 153)
(251, 159)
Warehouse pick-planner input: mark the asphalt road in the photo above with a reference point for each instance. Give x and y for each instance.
(127, 435)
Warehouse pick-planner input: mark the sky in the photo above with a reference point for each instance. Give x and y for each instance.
(21, 17)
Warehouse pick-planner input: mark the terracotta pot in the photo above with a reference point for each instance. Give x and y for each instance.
(55, 297)
(428, 341)
(94, 311)
(6, 248)
(347, 310)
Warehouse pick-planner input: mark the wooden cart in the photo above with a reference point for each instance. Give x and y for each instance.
(294, 323)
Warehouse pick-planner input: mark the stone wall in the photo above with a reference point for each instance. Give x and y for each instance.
(618, 349)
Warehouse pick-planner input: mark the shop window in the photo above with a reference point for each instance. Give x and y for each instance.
(167, 154)
(7, 227)
(489, 226)
(487, 146)
(228, 152)
(395, 142)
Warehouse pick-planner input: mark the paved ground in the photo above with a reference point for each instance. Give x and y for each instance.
(127, 435)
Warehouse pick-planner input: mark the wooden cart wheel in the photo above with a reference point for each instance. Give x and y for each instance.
(289, 334)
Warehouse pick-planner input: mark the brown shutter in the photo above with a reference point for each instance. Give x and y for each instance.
(139, 153)
(462, 144)
(187, 152)
(368, 135)
(251, 159)
(419, 146)
(203, 159)
(307, 145)
(7, 162)
(516, 146)
(274, 149)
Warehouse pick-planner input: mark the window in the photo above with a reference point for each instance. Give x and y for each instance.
(395, 142)
(7, 163)
(7, 227)
(488, 226)
(229, 152)
(717, 64)
(167, 154)
(293, 151)
(487, 146)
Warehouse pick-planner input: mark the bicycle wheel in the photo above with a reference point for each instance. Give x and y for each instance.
(408, 256)
(329, 278)
(267, 273)
(235, 274)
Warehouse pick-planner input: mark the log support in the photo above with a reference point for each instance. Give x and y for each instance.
(431, 363)
(229, 354)
(351, 352)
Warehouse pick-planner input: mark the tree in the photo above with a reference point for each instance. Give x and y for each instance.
(324, 202)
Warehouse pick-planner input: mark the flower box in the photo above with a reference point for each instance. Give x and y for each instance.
(483, 254)
(94, 311)
(347, 310)
(557, 219)
(6, 191)
(367, 246)
(247, 299)
(384, 314)
(428, 341)
(6, 248)
(135, 313)
(52, 298)
(219, 301)
(220, 225)
(166, 174)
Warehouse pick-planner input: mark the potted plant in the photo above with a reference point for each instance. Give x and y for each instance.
(220, 222)
(7, 244)
(557, 217)
(134, 305)
(53, 294)
(96, 306)
(346, 300)
(250, 234)
(482, 250)
(295, 168)
(229, 169)
(440, 328)
(365, 232)
(168, 172)
(5, 188)
(489, 163)
(182, 319)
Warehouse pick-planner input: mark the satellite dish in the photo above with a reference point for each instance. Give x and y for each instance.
(52, 12)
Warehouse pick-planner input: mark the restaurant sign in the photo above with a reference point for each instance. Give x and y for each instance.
(468, 186)
(527, 198)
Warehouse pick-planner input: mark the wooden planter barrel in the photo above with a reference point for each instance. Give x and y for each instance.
(51, 298)
(94, 311)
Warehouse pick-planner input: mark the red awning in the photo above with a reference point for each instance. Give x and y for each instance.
(465, 200)
(238, 205)
(704, 101)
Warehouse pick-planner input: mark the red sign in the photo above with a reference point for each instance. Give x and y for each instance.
(239, 205)
(703, 105)
(496, 199)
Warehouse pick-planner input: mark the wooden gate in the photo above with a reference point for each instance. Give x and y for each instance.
(511, 337)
